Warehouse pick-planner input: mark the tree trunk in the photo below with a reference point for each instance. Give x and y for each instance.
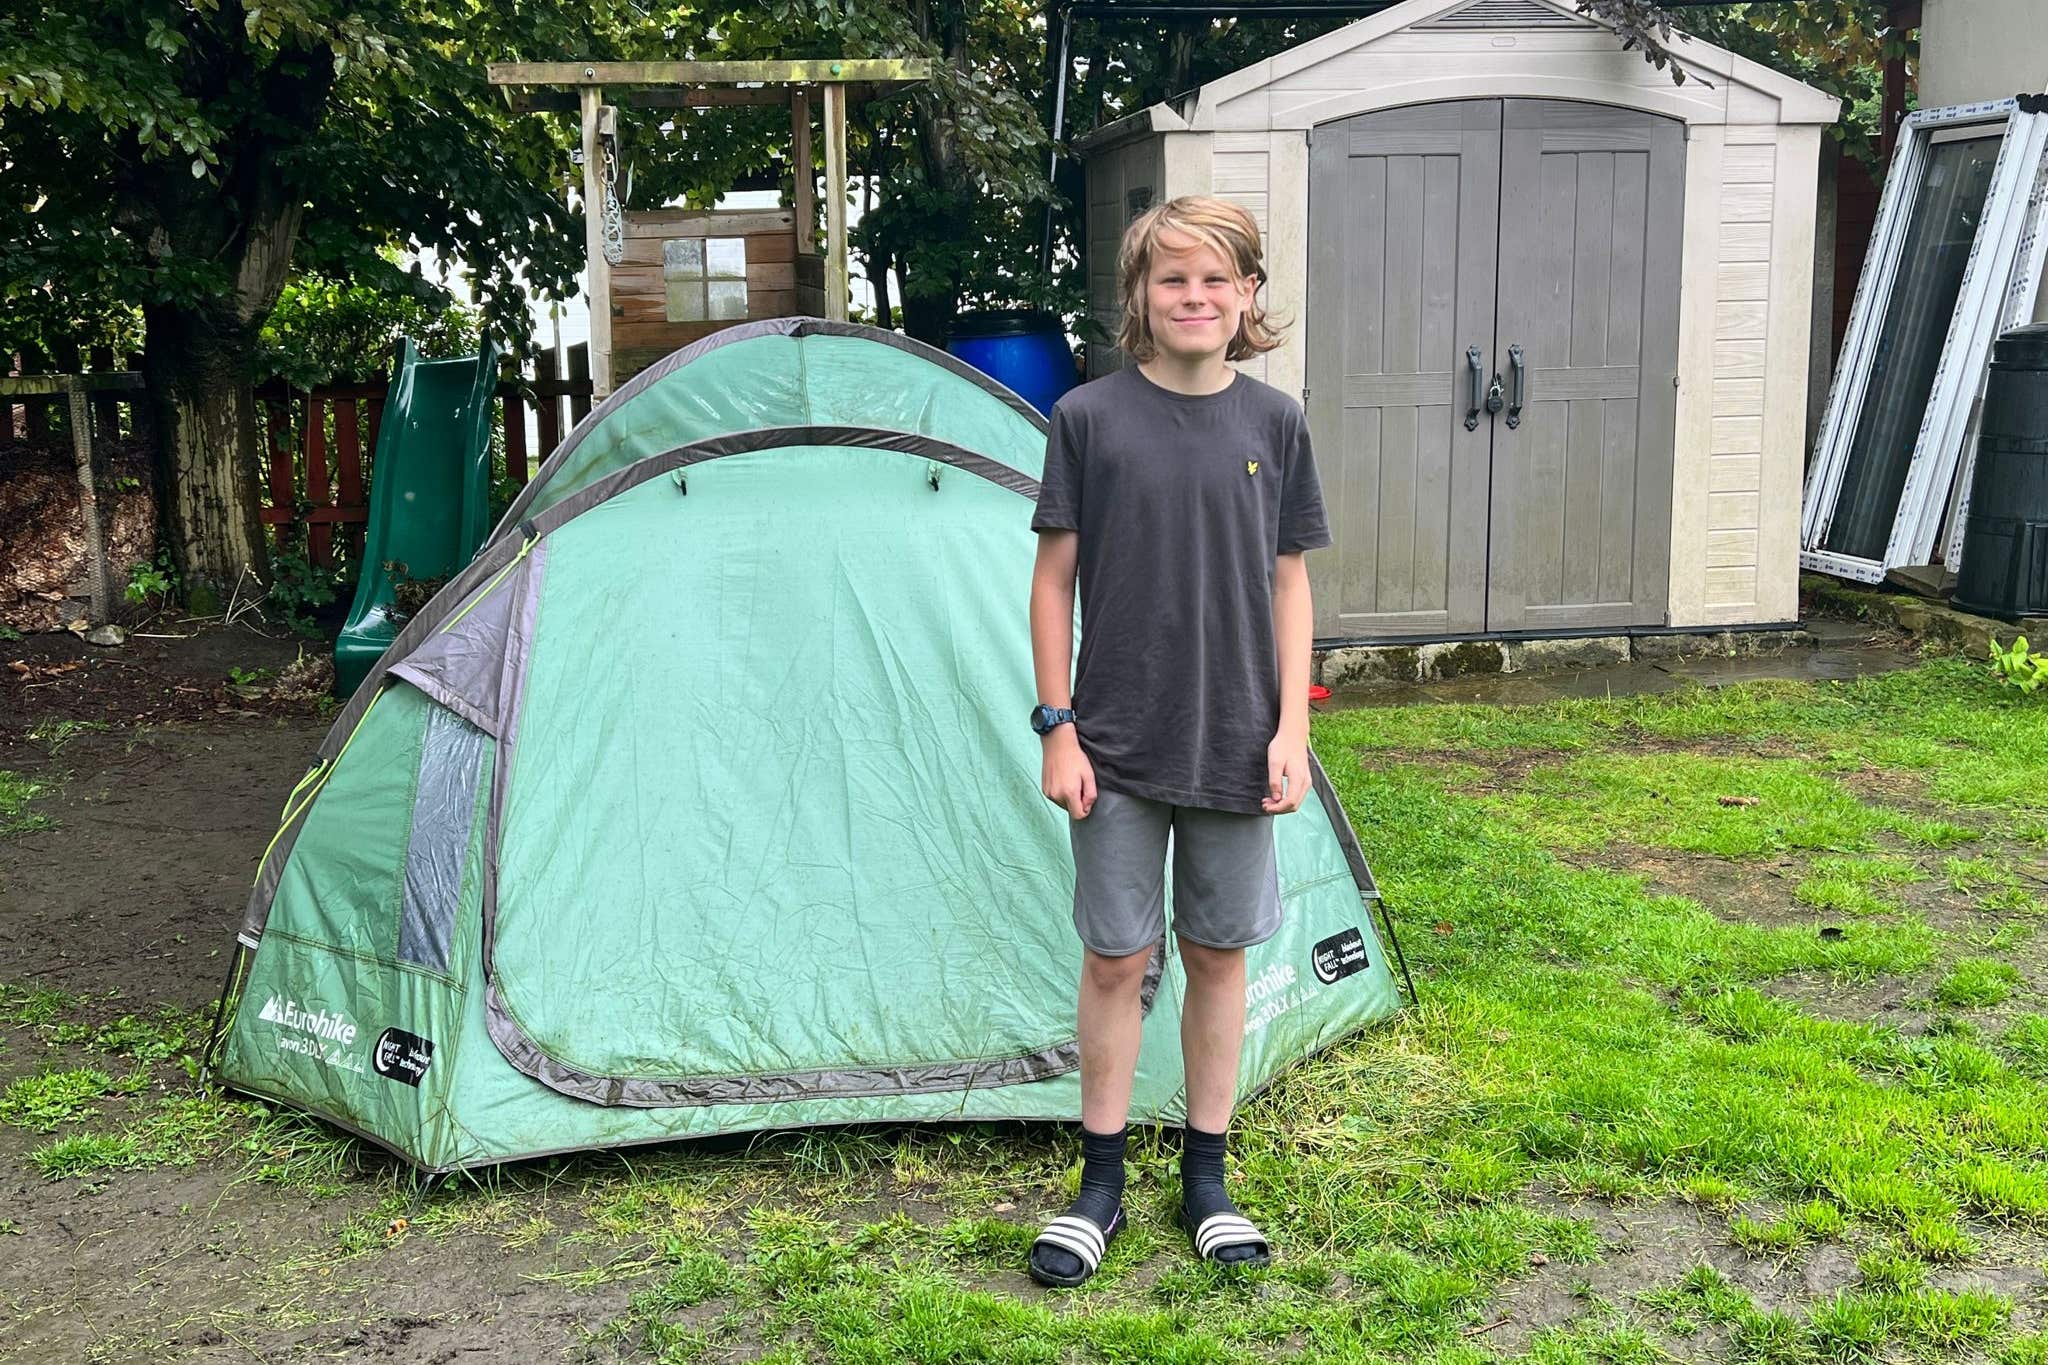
(207, 475)
(1175, 76)
(199, 353)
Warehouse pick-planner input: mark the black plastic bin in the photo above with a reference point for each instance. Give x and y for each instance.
(2005, 538)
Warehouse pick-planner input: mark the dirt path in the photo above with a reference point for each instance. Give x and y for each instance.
(129, 899)
(156, 838)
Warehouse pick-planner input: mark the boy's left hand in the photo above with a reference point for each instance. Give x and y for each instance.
(1287, 777)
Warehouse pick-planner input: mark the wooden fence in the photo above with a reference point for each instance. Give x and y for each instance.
(115, 414)
(318, 445)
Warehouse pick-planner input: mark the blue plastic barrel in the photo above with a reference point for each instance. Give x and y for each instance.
(1024, 350)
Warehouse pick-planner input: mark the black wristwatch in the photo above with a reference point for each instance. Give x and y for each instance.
(1044, 719)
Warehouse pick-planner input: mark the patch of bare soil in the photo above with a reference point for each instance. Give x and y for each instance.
(191, 1266)
(1509, 769)
(1888, 1001)
(1651, 1245)
(1764, 892)
(185, 677)
(1754, 893)
(139, 884)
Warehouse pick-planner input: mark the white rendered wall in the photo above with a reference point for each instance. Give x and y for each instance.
(1973, 50)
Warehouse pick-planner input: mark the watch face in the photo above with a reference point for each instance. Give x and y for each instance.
(1041, 718)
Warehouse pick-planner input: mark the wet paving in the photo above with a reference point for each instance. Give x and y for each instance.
(1840, 651)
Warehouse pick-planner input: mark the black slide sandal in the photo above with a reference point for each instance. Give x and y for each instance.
(1223, 1230)
(1080, 1238)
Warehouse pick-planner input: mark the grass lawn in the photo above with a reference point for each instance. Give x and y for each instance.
(1733, 1045)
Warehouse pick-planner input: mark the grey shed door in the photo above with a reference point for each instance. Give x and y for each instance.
(1544, 225)
(1589, 270)
(1402, 235)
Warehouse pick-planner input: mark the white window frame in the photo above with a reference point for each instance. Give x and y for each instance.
(1998, 286)
(2018, 310)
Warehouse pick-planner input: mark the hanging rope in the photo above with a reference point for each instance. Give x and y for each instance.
(613, 224)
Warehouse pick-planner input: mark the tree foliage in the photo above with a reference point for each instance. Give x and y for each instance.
(150, 143)
(1839, 46)
(323, 330)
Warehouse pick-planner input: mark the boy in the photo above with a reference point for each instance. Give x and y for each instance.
(1183, 495)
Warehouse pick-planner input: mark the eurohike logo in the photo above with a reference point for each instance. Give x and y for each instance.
(1269, 995)
(319, 1034)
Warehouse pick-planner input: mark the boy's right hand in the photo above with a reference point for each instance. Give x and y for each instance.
(1069, 779)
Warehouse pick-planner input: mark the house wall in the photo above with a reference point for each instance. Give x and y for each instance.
(1752, 167)
(1974, 50)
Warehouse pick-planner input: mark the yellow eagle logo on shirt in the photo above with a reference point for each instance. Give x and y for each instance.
(1251, 467)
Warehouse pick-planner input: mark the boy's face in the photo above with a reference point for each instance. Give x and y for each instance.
(1193, 298)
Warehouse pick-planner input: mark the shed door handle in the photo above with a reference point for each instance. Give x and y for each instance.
(1517, 372)
(1475, 361)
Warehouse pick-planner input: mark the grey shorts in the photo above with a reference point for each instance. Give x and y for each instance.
(1226, 884)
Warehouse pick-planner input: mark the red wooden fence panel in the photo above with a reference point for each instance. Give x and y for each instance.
(348, 468)
(313, 444)
(323, 484)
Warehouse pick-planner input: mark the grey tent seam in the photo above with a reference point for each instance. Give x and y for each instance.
(681, 1092)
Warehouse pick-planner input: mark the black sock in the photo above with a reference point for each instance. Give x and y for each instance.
(1201, 1184)
(1102, 1193)
(1201, 1174)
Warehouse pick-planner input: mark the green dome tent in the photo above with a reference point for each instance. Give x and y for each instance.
(703, 801)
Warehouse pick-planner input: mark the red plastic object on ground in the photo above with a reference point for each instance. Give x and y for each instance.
(1318, 692)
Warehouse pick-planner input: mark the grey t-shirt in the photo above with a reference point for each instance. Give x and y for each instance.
(1182, 503)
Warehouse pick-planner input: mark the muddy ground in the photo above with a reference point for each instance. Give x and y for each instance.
(131, 899)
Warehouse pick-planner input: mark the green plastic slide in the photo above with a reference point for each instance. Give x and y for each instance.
(430, 484)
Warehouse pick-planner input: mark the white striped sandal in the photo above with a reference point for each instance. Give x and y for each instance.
(1081, 1239)
(1228, 1238)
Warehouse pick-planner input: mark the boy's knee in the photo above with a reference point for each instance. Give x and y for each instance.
(1115, 974)
(1203, 963)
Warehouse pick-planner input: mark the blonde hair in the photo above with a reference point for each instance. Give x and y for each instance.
(1215, 223)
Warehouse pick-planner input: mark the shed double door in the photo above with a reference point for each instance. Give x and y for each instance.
(1531, 244)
